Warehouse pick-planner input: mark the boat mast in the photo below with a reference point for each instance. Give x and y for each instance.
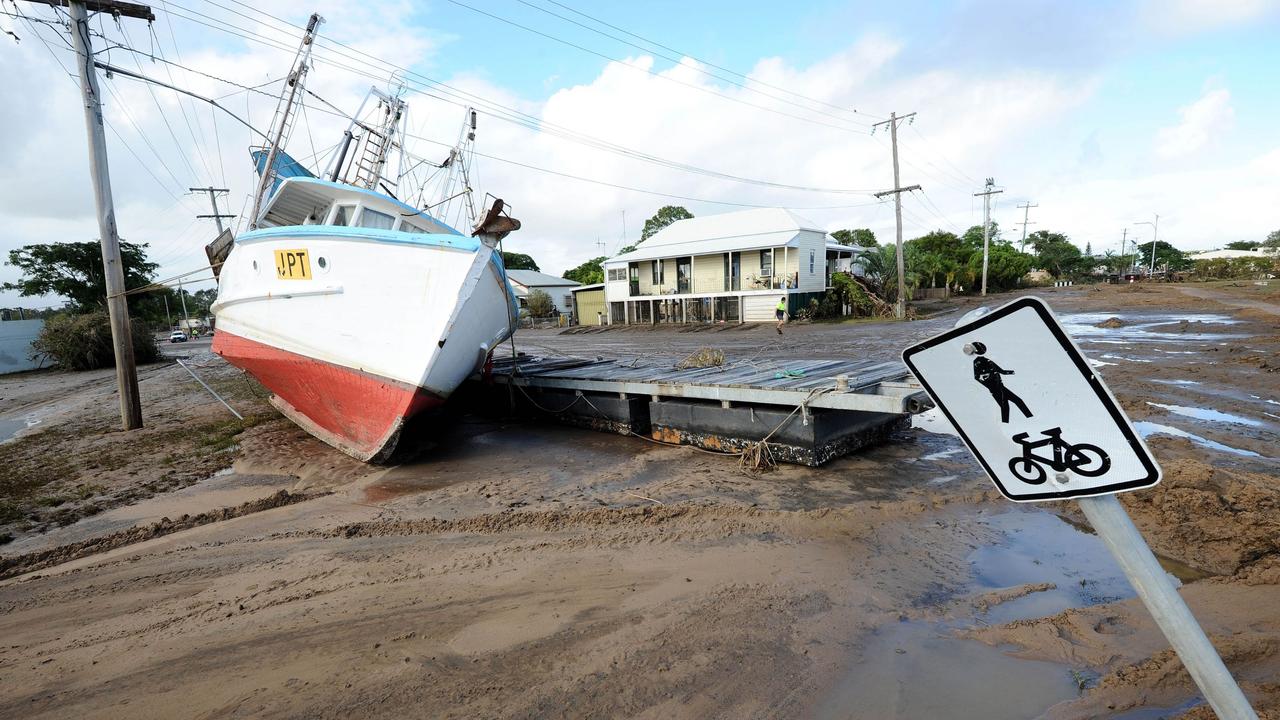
(282, 122)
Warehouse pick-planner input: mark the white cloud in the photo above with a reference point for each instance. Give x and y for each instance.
(1200, 121)
(1178, 17)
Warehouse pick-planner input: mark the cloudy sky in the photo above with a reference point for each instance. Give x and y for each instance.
(1101, 114)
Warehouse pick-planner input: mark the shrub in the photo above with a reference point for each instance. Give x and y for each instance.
(83, 342)
(539, 304)
(1235, 268)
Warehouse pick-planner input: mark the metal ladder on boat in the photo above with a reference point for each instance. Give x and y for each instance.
(372, 155)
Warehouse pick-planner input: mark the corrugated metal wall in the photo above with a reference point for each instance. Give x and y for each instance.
(16, 337)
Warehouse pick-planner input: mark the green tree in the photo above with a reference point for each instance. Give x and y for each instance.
(1056, 253)
(1166, 254)
(860, 237)
(588, 273)
(973, 236)
(666, 215)
(1006, 267)
(1273, 240)
(1244, 245)
(519, 261)
(74, 271)
(539, 304)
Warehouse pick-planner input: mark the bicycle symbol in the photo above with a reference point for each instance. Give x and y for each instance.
(1084, 459)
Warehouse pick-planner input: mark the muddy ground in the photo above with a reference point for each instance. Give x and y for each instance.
(520, 569)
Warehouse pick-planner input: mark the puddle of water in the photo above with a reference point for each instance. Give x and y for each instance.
(943, 480)
(940, 454)
(1206, 414)
(12, 426)
(933, 421)
(919, 670)
(1147, 429)
(1040, 547)
(1099, 363)
(390, 487)
(1177, 382)
(1144, 328)
(1268, 401)
(1126, 359)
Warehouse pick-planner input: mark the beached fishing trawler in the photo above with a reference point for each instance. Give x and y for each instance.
(356, 309)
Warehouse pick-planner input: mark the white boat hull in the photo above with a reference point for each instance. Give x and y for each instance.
(383, 326)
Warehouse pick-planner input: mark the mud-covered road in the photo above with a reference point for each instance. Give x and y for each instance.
(529, 570)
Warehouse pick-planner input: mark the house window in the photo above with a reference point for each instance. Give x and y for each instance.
(618, 274)
(810, 262)
(766, 263)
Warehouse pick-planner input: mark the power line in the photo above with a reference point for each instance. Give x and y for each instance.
(737, 83)
(699, 88)
(107, 123)
(466, 99)
(634, 189)
(704, 62)
(181, 107)
(165, 119)
(943, 157)
(928, 204)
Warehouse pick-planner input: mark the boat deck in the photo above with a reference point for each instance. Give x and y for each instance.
(866, 386)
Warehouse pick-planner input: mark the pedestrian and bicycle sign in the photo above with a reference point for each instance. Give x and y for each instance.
(1045, 427)
(1033, 412)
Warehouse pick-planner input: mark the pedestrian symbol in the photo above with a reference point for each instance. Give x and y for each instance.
(988, 373)
(1028, 405)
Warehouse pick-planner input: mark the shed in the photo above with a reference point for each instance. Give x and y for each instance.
(588, 305)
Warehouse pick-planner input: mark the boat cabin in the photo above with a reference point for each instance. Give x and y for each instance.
(310, 201)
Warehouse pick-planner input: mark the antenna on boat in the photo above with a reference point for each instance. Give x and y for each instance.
(282, 122)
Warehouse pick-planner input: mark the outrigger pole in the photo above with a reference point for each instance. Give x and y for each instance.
(281, 123)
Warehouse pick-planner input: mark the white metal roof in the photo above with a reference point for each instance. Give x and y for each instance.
(533, 278)
(855, 249)
(710, 234)
(580, 288)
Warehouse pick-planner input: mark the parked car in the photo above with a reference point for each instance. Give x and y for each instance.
(177, 336)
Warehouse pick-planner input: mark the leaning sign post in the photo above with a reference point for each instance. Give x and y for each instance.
(1044, 426)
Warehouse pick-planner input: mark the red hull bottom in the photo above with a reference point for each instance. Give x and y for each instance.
(359, 413)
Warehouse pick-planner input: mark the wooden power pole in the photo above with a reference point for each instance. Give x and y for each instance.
(117, 306)
(213, 200)
(1026, 211)
(900, 310)
(986, 226)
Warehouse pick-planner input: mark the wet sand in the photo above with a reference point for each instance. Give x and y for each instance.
(530, 570)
